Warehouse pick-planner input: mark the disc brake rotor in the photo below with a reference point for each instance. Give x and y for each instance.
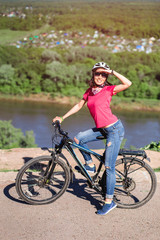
(129, 184)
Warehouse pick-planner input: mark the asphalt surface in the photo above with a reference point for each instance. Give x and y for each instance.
(73, 216)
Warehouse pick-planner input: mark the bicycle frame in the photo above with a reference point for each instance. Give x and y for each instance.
(69, 144)
(45, 178)
(83, 170)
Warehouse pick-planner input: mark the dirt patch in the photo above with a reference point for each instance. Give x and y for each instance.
(72, 216)
(15, 158)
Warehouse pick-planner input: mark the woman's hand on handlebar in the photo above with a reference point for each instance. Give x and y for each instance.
(60, 119)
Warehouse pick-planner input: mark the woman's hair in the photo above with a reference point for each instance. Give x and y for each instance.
(93, 84)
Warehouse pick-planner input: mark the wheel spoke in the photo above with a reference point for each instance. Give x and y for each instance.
(138, 183)
(33, 185)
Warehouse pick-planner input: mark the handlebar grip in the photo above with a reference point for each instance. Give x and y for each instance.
(57, 125)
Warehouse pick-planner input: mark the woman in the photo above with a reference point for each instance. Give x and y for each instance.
(98, 98)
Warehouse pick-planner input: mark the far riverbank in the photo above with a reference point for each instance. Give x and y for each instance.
(118, 103)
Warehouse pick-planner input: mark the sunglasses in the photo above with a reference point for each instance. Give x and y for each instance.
(103, 74)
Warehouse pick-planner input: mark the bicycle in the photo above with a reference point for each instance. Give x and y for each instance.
(44, 179)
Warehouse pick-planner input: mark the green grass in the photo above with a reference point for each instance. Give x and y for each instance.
(8, 36)
(8, 170)
(157, 169)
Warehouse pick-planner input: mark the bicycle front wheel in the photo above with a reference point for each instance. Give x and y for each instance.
(135, 183)
(40, 182)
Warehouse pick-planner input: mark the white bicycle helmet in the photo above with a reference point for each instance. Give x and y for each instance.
(100, 65)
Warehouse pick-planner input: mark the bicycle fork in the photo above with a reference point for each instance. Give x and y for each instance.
(50, 168)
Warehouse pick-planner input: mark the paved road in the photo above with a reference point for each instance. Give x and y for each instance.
(73, 217)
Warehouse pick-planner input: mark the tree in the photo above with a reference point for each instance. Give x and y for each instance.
(7, 81)
(6, 74)
(60, 73)
(49, 55)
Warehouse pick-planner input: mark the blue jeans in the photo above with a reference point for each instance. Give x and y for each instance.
(114, 136)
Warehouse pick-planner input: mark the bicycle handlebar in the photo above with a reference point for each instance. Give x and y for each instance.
(57, 125)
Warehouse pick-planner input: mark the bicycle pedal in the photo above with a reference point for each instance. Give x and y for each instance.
(28, 193)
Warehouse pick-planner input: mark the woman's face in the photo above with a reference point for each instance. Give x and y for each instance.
(100, 76)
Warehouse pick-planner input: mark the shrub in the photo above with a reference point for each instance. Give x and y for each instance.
(155, 146)
(12, 137)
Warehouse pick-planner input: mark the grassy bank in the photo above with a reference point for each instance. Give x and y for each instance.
(8, 36)
(136, 104)
(117, 102)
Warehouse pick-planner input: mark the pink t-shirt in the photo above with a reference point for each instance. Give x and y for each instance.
(99, 106)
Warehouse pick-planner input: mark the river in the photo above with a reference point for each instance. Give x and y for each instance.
(140, 127)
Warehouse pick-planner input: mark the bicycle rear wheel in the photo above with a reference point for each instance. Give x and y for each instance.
(33, 184)
(135, 183)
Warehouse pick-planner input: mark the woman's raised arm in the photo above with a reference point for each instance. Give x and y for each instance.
(126, 83)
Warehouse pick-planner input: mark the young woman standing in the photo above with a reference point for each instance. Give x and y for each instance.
(98, 97)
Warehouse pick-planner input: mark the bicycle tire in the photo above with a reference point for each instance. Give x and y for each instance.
(137, 187)
(32, 186)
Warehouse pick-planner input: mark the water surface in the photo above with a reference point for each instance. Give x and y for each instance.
(140, 127)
